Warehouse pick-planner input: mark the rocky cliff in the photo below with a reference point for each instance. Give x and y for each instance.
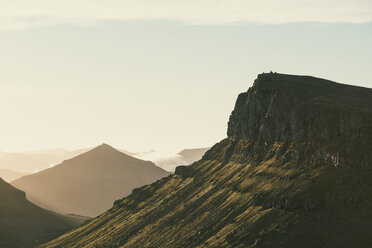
(294, 171)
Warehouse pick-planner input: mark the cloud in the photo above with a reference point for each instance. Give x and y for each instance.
(19, 14)
(167, 162)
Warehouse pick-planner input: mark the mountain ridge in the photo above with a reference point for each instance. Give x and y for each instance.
(293, 172)
(89, 183)
(23, 224)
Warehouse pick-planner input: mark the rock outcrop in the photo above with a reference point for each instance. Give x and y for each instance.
(294, 171)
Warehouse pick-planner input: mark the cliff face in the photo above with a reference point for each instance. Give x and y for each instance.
(301, 109)
(294, 171)
(326, 119)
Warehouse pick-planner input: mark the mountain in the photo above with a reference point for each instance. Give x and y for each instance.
(57, 155)
(23, 225)
(75, 153)
(294, 171)
(38, 160)
(89, 183)
(9, 175)
(192, 155)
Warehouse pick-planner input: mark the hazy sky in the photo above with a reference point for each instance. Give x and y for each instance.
(160, 74)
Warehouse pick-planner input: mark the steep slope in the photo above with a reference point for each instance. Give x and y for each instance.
(9, 175)
(294, 171)
(58, 155)
(89, 183)
(22, 224)
(75, 153)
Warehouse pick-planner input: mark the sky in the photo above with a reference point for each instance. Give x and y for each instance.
(160, 74)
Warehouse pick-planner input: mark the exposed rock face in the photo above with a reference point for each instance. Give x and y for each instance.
(294, 171)
(308, 113)
(280, 108)
(183, 170)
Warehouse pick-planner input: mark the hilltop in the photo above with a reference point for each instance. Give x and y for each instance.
(89, 183)
(294, 171)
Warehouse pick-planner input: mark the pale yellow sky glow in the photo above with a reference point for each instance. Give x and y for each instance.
(164, 75)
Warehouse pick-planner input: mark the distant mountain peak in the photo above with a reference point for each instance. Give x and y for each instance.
(101, 150)
(90, 182)
(105, 146)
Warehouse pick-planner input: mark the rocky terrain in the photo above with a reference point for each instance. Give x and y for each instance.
(294, 171)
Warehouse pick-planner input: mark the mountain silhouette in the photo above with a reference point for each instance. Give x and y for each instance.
(23, 224)
(89, 183)
(294, 171)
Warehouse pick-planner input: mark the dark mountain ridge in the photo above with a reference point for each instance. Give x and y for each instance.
(294, 171)
(22, 224)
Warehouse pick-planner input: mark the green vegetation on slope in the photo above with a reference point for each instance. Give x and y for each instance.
(294, 172)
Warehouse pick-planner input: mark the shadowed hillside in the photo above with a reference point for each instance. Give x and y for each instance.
(294, 171)
(23, 225)
(89, 183)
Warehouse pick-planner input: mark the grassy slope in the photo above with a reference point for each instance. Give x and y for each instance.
(218, 208)
(248, 194)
